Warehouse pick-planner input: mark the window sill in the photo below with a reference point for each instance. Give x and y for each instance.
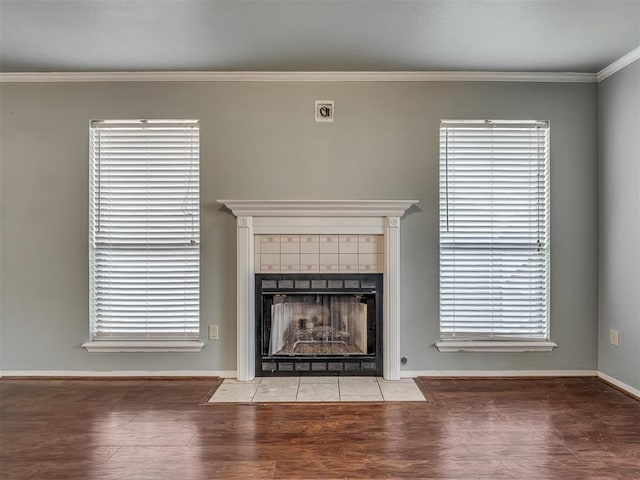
(143, 346)
(493, 346)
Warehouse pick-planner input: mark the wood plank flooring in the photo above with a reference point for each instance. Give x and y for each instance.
(576, 428)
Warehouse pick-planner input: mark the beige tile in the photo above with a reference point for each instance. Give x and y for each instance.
(277, 390)
(284, 398)
(290, 244)
(368, 262)
(257, 263)
(343, 380)
(367, 244)
(361, 386)
(318, 392)
(234, 392)
(328, 244)
(361, 398)
(329, 268)
(228, 381)
(348, 262)
(269, 262)
(347, 244)
(289, 268)
(363, 268)
(310, 262)
(257, 240)
(269, 243)
(317, 389)
(380, 243)
(310, 244)
(381, 263)
(279, 381)
(402, 380)
(270, 268)
(309, 268)
(348, 268)
(328, 262)
(318, 380)
(289, 262)
(401, 391)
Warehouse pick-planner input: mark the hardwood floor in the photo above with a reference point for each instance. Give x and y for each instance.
(577, 428)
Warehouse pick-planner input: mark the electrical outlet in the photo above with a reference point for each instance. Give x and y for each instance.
(213, 332)
(614, 337)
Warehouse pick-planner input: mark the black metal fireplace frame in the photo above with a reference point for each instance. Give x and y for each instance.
(321, 365)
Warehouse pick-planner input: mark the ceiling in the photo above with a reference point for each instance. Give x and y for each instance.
(316, 35)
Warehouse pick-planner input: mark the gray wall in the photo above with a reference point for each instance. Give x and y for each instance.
(619, 97)
(259, 140)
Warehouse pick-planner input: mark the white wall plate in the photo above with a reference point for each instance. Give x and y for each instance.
(324, 110)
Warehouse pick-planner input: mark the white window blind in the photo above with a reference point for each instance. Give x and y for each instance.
(494, 230)
(144, 234)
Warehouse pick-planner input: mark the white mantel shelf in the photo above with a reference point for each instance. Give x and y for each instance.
(317, 216)
(318, 208)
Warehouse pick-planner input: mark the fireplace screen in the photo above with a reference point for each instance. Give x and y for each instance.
(307, 324)
(318, 325)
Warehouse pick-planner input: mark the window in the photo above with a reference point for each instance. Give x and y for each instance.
(144, 235)
(494, 235)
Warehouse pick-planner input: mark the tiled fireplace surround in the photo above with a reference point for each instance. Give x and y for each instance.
(313, 253)
(347, 223)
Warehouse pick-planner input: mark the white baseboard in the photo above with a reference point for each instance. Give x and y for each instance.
(499, 373)
(521, 373)
(621, 385)
(119, 373)
(232, 373)
(405, 374)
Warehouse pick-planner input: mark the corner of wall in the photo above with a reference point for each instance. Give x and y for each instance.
(619, 226)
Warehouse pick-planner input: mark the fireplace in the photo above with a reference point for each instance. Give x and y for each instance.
(312, 217)
(315, 324)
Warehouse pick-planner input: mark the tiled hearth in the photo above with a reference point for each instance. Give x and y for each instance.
(317, 389)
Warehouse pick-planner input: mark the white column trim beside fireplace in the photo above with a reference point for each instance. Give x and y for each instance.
(391, 300)
(317, 216)
(246, 300)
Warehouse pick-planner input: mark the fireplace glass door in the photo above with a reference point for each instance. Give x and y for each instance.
(318, 325)
(301, 328)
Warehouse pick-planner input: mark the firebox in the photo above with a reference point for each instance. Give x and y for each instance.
(318, 324)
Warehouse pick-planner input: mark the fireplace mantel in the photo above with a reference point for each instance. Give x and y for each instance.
(380, 217)
(318, 208)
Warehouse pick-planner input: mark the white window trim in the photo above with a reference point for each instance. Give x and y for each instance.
(448, 346)
(143, 346)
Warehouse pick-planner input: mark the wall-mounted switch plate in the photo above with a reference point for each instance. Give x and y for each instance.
(614, 337)
(213, 332)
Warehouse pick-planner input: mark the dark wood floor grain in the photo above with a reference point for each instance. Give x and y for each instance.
(577, 428)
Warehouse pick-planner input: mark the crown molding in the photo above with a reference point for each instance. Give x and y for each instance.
(61, 77)
(619, 64)
(318, 208)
